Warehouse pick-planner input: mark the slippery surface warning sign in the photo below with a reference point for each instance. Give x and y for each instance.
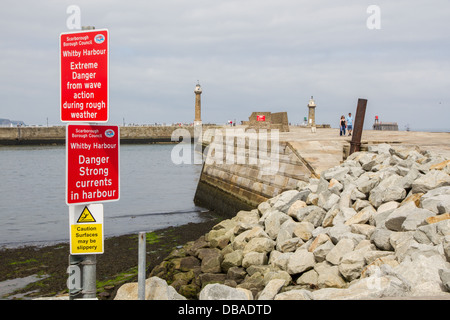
(84, 66)
(86, 229)
(86, 216)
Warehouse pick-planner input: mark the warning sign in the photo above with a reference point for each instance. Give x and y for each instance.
(86, 239)
(86, 216)
(84, 67)
(92, 163)
(86, 229)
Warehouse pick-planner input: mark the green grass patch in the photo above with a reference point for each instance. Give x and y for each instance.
(23, 262)
(119, 279)
(152, 238)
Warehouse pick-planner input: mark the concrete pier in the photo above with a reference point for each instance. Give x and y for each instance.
(324, 148)
(57, 135)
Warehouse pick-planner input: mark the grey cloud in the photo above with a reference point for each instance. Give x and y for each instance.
(248, 55)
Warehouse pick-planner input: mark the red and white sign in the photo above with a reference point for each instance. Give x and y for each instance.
(260, 118)
(84, 65)
(92, 163)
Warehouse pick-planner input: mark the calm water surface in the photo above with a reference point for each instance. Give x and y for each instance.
(154, 194)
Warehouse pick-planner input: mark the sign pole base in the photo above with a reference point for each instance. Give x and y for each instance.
(82, 281)
(89, 276)
(75, 276)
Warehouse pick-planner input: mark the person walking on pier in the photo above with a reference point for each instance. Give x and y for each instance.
(349, 124)
(342, 126)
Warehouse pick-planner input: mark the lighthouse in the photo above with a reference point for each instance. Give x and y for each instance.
(311, 113)
(198, 103)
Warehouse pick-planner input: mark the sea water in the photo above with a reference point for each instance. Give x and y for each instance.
(155, 193)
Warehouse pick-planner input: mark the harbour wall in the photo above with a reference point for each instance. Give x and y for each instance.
(32, 135)
(263, 172)
(57, 135)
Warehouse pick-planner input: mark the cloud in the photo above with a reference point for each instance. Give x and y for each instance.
(248, 55)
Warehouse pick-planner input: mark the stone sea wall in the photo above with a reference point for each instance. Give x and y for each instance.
(229, 187)
(57, 135)
(375, 226)
(32, 135)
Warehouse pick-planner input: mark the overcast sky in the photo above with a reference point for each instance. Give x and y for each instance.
(248, 55)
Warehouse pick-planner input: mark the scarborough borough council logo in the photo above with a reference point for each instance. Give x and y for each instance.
(99, 38)
(109, 133)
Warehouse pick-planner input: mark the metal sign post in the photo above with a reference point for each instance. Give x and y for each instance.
(141, 266)
(355, 144)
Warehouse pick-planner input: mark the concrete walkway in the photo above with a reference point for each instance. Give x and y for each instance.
(324, 148)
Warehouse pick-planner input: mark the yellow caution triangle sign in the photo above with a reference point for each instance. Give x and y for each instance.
(86, 216)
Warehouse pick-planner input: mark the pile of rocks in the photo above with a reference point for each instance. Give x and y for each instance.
(376, 226)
